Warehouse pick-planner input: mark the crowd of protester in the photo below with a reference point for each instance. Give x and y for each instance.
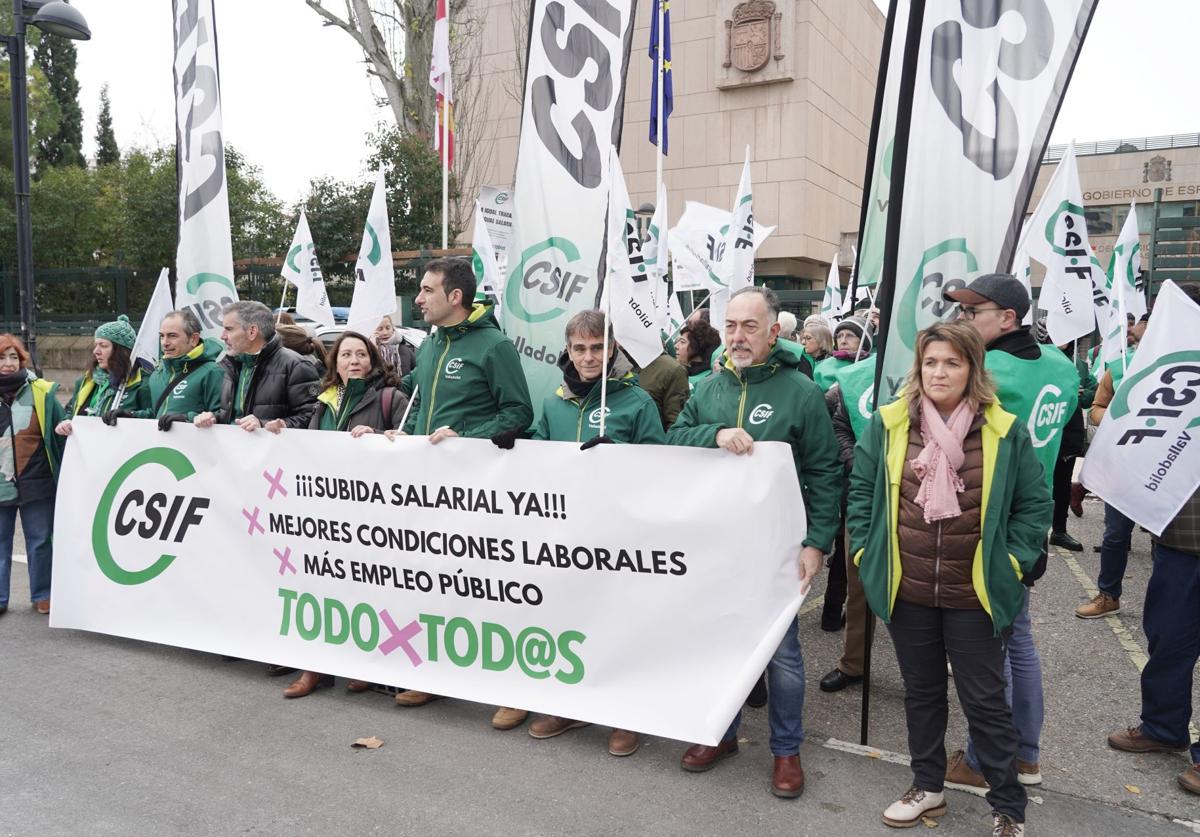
(932, 512)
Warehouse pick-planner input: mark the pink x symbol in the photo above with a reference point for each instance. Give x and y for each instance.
(276, 483)
(284, 563)
(254, 524)
(400, 638)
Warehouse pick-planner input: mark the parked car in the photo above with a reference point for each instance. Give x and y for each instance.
(340, 315)
(328, 335)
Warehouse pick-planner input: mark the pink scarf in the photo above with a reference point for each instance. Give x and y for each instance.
(938, 462)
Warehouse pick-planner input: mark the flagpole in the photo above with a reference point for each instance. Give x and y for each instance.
(412, 399)
(445, 174)
(866, 324)
(694, 310)
(658, 158)
(282, 300)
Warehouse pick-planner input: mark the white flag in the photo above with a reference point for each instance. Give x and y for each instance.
(697, 246)
(146, 347)
(847, 300)
(483, 258)
(302, 269)
(739, 247)
(204, 257)
(1126, 264)
(627, 287)
(675, 318)
(1145, 458)
(654, 251)
(831, 303)
(375, 282)
(1058, 238)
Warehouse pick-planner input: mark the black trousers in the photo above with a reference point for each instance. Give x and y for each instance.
(835, 583)
(924, 638)
(1063, 470)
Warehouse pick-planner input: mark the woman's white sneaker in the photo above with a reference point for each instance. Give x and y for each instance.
(908, 810)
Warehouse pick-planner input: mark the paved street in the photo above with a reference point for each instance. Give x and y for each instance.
(100, 735)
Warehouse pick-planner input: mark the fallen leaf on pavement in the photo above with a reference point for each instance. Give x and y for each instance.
(371, 743)
(873, 754)
(930, 822)
(1133, 789)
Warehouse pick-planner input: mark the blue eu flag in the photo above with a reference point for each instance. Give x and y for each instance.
(668, 86)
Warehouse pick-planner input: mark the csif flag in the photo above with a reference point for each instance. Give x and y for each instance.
(738, 262)
(1144, 460)
(1125, 266)
(442, 84)
(831, 302)
(663, 72)
(375, 282)
(483, 259)
(697, 246)
(204, 256)
(629, 301)
(978, 106)
(302, 269)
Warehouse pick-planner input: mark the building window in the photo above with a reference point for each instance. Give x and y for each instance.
(1100, 220)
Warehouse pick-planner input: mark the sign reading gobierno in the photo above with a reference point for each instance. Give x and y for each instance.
(543, 577)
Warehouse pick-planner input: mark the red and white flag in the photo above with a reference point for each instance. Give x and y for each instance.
(439, 80)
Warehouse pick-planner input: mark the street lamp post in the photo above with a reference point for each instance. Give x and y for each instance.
(54, 17)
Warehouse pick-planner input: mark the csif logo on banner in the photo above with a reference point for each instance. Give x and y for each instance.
(1165, 388)
(144, 520)
(552, 269)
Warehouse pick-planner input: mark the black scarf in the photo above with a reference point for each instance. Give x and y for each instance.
(11, 384)
(580, 387)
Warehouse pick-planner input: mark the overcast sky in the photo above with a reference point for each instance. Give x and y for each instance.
(297, 102)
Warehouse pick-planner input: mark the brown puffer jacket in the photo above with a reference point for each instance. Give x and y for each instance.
(936, 558)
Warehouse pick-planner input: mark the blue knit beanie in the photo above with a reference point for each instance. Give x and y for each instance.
(119, 332)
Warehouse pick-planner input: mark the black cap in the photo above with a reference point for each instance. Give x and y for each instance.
(1001, 288)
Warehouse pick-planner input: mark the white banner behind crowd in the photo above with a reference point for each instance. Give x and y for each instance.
(1145, 458)
(204, 258)
(543, 577)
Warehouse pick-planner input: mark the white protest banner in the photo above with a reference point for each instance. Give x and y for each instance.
(522, 578)
(375, 281)
(986, 81)
(204, 257)
(483, 258)
(146, 348)
(628, 289)
(1144, 460)
(697, 246)
(302, 269)
(574, 98)
(497, 207)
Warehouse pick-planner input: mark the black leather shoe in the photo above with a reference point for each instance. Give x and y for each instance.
(837, 680)
(833, 621)
(1065, 541)
(278, 671)
(758, 695)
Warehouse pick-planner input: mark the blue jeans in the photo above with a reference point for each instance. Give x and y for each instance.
(1171, 620)
(1114, 551)
(37, 522)
(1023, 674)
(785, 704)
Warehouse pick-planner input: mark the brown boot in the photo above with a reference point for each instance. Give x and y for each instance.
(357, 686)
(42, 607)
(1189, 779)
(958, 772)
(787, 781)
(506, 719)
(623, 743)
(552, 726)
(414, 698)
(307, 683)
(1133, 740)
(1102, 605)
(701, 757)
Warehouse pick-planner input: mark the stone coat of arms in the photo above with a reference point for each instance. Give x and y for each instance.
(1156, 170)
(753, 35)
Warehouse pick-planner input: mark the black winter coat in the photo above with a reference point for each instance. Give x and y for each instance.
(284, 386)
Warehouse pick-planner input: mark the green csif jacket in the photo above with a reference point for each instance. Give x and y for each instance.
(468, 377)
(194, 381)
(632, 416)
(1014, 518)
(773, 402)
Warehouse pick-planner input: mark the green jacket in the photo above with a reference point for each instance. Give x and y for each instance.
(92, 400)
(468, 377)
(773, 402)
(825, 371)
(632, 416)
(197, 383)
(666, 381)
(33, 451)
(1087, 383)
(1014, 517)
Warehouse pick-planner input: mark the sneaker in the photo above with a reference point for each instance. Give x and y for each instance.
(908, 810)
(1189, 779)
(959, 772)
(1133, 740)
(1102, 605)
(507, 718)
(1003, 826)
(1029, 772)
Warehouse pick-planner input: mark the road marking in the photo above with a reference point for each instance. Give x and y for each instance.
(901, 759)
(1134, 651)
(19, 558)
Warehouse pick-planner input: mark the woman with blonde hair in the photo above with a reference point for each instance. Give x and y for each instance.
(947, 509)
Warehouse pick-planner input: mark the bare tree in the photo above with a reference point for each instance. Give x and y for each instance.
(396, 37)
(514, 83)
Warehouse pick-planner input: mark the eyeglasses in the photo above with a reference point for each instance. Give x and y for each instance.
(968, 312)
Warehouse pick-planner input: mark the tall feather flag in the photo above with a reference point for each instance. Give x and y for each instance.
(668, 91)
(440, 81)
